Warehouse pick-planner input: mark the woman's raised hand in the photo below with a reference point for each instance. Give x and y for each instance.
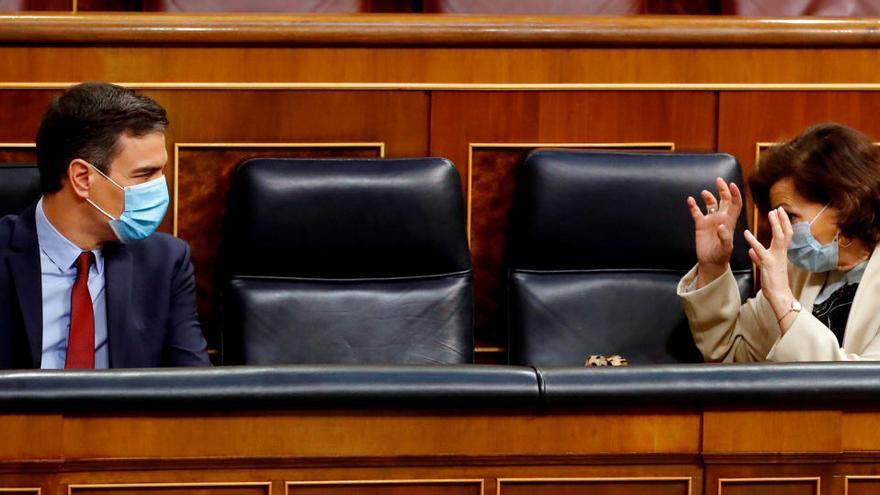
(714, 229)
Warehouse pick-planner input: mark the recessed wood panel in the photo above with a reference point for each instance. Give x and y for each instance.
(750, 117)
(862, 485)
(21, 112)
(599, 486)
(460, 121)
(173, 489)
(769, 486)
(204, 175)
(389, 487)
(18, 491)
(771, 431)
(376, 434)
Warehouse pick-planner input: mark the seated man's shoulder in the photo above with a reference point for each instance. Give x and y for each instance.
(159, 248)
(7, 225)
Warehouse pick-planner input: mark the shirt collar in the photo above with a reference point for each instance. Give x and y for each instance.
(58, 248)
(854, 275)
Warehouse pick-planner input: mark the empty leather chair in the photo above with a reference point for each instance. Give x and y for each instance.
(346, 261)
(598, 243)
(19, 187)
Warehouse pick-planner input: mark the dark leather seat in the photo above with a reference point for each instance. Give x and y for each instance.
(19, 187)
(346, 261)
(598, 243)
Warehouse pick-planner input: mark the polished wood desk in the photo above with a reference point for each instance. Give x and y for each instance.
(481, 91)
(686, 430)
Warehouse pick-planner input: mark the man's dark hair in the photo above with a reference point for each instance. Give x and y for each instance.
(86, 122)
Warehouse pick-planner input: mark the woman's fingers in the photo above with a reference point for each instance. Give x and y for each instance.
(735, 196)
(776, 228)
(760, 251)
(696, 214)
(723, 193)
(710, 201)
(787, 229)
(754, 256)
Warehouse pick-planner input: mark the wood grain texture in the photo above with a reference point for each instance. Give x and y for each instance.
(338, 434)
(430, 29)
(771, 431)
(769, 487)
(171, 488)
(401, 66)
(378, 487)
(608, 486)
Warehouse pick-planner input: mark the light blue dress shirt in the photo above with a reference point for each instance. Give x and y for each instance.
(57, 274)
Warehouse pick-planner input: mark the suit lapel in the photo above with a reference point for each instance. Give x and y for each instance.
(864, 317)
(24, 265)
(117, 263)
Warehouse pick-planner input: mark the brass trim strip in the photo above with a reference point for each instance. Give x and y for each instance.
(452, 481)
(610, 146)
(102, 486)
(18, 145)
(490, 350)
(416, 86)
(817, 479)
(689, 479)
(179, 146)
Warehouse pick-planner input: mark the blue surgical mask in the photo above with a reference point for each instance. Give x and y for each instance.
(144, 209)
(806, 252)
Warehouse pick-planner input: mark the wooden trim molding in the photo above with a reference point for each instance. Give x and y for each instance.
(478, 482)
(250, 484)
(722, 481)
(438, 30)
(429, 86)
(619, 479)
(180, 146)
(35, 491)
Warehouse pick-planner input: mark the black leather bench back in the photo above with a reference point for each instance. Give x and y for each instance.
(598, 244)
(347, 261)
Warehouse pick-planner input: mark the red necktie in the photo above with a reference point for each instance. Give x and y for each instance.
(81, 341)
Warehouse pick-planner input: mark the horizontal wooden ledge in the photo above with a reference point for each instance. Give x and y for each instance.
(482, 87)
(437, 30)
(235, 462)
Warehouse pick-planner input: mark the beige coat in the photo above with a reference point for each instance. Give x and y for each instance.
(726, 331)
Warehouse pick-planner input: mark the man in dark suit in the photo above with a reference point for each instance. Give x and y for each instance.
(84, 281)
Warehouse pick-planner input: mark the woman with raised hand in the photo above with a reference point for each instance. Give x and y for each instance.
(820, 275)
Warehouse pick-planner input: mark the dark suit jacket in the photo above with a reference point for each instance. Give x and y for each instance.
(150, 294)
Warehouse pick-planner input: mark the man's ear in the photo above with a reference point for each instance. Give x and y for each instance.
(79, 175)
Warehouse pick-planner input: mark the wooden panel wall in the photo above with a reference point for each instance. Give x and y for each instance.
(480, 91)
(615, 451)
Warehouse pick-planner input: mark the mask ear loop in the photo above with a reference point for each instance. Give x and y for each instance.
(96, 169)
(848, 244)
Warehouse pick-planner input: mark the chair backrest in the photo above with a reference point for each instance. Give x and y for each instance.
(19, 187)
(346, 261)
(598, 243)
